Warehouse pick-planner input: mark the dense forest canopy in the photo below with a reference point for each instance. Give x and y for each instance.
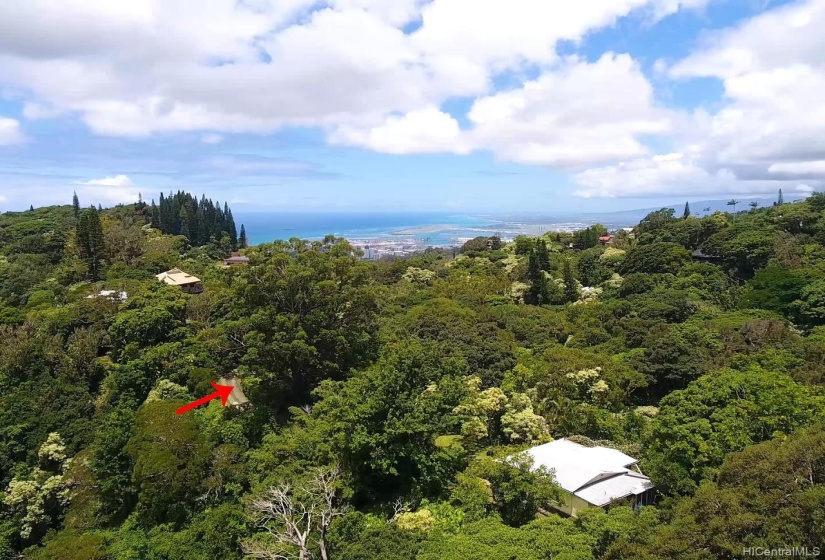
(393, 399)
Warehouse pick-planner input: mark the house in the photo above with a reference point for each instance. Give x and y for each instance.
(605, 239)
(236, 258)
(593, 476)
(111, 294)
(176, 277)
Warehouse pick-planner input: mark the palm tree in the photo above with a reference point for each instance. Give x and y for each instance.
(733, 202)
(754, 204)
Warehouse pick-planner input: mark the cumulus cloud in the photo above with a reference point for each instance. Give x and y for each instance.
(564, 118)
(9, 132)
(114, 181)
(258, 65)
(425, 131)
(768, 132)
(116, 189)
(379, 74)
(569, 116)
(773, 72)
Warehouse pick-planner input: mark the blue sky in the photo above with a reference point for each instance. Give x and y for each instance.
(412, 105)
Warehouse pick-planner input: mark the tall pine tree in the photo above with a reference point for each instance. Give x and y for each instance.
(76, 205)
(781, 200)
(686, 213)
(89, 234)
(200, 220)
(243, 242)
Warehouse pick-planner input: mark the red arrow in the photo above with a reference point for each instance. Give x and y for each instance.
(222, 391)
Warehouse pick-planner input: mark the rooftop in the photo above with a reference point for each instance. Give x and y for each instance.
(177, 277)
(598, 475)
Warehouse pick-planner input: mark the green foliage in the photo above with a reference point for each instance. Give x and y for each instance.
(170, 455)
(722, 413)
(411, 374)
(655, 258)
(386, 418)
(507, 484)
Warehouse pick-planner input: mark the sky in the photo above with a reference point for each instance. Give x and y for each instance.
(411, 105)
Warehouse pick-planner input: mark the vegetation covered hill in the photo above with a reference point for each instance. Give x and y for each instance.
(384, 394)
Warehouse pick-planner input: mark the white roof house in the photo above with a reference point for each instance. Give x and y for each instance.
(592, 476)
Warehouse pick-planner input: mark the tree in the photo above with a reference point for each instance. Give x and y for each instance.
(511, 486)
(386, 418)
(733, 202)
(295, 321)
(571, 289)
(297, 517)
(538, 292)
(718, 414)
(772, 492)
(754, 204)
(781, 200)
(170, 457)
(243, 242)
(658, 257)
(686, 213)
(76, 205)
(811, 304)
(90, 242)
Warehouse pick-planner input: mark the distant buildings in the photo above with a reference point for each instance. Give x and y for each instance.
(176, 277)
(593, 476)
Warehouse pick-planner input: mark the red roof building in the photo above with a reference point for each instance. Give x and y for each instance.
(606, 239)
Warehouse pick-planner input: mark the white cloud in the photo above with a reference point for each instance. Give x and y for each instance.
(425, 131)
(226, 66)
(114, 181)
(117, 189)
(10, 132)
(564, 118)
(673, 173)
(813, 168)
(774, 78)
(579, 113)
(769, 131)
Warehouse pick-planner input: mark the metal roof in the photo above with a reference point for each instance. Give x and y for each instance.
(177, 277)
(598, 475)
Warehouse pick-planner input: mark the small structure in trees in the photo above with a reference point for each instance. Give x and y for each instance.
(176, 277)
(593, 476)
(236, 397)
(606, 239)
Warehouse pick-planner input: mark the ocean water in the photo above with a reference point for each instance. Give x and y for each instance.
(428, 229)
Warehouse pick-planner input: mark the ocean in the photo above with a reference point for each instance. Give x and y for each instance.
(426, 229)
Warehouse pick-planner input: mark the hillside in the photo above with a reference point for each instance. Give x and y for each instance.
(392, 399)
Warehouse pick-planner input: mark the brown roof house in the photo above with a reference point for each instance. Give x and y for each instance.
(236, 258)
(176, 277)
